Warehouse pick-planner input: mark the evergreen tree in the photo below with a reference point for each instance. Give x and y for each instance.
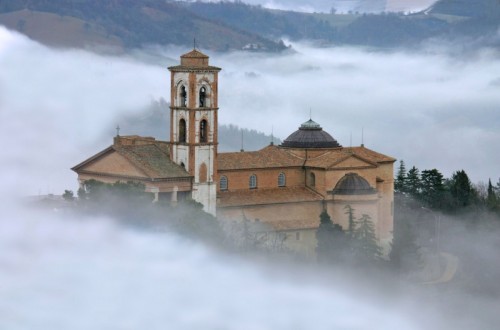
(366, 247)
(413, 182)
(351, 220)
(400, 182)
(432, 188)
(492, 198)
(68, 195)
(461, 189)
(330, 239)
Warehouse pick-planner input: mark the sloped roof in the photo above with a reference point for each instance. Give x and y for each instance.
(194, 60)
(335, 156)
(268, 157)
(152, 159)
(276, 156)
(194, 54)
(266, 196)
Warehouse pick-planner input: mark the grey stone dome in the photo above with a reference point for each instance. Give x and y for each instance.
(310, 135)
(353, 184)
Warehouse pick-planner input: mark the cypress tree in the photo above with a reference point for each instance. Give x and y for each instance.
(492, 198)
(366, 248)
(351, 220)
(400, 182)
(330, 239)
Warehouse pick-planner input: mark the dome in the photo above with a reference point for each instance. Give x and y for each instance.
(353, 184)
(310, 135)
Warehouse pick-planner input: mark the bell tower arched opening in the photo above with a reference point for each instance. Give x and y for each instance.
(182, 131)
(203, 131)
(183, 96)
(203, 97)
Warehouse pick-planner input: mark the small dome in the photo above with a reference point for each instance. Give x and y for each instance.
(310, 135)
(353, 184)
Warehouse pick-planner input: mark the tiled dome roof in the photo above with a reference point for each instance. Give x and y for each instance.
(353, 184)
(310, 135)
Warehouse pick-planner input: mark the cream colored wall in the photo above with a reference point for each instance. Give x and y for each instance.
(266, 178)
(116, 164)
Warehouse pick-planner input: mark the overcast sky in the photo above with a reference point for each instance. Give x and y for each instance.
(58, 107)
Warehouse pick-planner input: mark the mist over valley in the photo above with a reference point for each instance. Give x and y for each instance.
(68, 264)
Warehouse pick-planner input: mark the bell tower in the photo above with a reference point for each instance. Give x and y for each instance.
(193, 123)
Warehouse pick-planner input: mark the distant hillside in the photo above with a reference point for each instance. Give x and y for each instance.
(126, 23)
(467, 8)
(447, 19)
(235, 25)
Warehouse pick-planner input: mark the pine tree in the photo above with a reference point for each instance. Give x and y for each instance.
(366, 248)
(400, 182)
(432, 188)
(413, 182)
(461, 189)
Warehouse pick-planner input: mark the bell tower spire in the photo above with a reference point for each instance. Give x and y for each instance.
(193, 123)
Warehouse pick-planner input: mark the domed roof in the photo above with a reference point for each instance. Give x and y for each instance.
(353, 184)
(310, 135)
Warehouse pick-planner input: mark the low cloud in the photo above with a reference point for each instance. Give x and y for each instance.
(58, 107)
(431, 109)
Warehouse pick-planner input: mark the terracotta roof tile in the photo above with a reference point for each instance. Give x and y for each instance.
(269, 157)
(153, 159)
(334, 156)
(266, 196)
(194, 54)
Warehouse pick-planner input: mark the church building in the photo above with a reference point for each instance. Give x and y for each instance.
(285, 187)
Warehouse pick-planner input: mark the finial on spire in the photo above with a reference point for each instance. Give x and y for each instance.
(362, 137)
(194, 43)
(272, 135)
(310, 114)
(117, 130)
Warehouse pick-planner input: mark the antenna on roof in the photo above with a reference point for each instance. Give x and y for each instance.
(117, 130)
(241, 150)
(272, 135)
(362, 137)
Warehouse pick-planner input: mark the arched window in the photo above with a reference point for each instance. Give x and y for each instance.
(182, 130)
(312, 180)
(183, 96)
(281, 180)
(203, 131)
(252, 181)
(203, 173)
(223, 183)
(203, 93)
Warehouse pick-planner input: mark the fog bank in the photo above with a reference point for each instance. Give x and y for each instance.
(433, 110)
